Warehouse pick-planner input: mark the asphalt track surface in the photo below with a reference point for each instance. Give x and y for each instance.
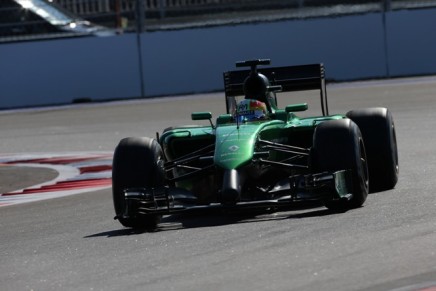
(72, 243)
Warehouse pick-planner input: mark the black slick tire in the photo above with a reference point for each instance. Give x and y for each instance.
(378, 131)
(137, 162)
(338, 145)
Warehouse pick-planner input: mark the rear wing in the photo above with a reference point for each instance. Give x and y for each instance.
(291, 78)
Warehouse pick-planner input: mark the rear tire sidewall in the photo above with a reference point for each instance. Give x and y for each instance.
(137, 163)
(338, 145)
(378, 131)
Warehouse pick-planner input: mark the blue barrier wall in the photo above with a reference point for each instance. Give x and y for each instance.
(192, 60)
(59, 71)
(412, 42)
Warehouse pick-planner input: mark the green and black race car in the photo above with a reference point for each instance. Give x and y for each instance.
(257, 156)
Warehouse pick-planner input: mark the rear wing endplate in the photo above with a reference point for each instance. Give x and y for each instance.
(291, 78)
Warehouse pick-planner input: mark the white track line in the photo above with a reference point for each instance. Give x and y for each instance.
(69, 172)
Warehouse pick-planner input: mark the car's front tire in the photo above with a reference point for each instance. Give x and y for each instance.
(338, 145)
(137, 163)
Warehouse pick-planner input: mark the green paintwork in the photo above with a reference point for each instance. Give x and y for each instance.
(235, 143)
(296, 107)
(201, 115)
(234, 146)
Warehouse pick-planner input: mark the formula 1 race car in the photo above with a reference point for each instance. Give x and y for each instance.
(257, 156)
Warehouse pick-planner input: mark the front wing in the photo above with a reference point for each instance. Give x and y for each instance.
(169, 200)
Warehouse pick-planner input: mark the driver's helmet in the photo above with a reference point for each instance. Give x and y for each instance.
(251, 110)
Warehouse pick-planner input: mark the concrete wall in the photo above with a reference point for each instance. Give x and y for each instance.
(350, 47)
(412, 42)
(190, 61)
(59, 71)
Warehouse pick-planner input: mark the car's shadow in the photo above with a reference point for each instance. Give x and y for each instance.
(177, 222)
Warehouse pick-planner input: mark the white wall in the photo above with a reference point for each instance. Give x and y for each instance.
(191, 61)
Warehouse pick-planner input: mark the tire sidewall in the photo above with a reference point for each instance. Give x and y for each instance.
(338, 145)
(378, 131)
(137, 163)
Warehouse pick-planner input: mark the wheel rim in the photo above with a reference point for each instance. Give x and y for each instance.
(364, 164)
(395, 151)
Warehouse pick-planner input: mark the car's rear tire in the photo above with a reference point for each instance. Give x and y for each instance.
(137, 162)
(338, 145)
(378, 131)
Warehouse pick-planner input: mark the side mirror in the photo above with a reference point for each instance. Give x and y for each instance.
(201, 115)
(296, 107)
(225, 118)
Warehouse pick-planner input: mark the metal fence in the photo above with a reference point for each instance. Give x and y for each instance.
(122, 13)
(86, 7)
(16, 20)
(91, 7)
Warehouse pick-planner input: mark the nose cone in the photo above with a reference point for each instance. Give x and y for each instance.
(235, 146)
(231, 190)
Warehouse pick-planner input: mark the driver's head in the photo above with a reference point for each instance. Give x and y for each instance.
(251, 110)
